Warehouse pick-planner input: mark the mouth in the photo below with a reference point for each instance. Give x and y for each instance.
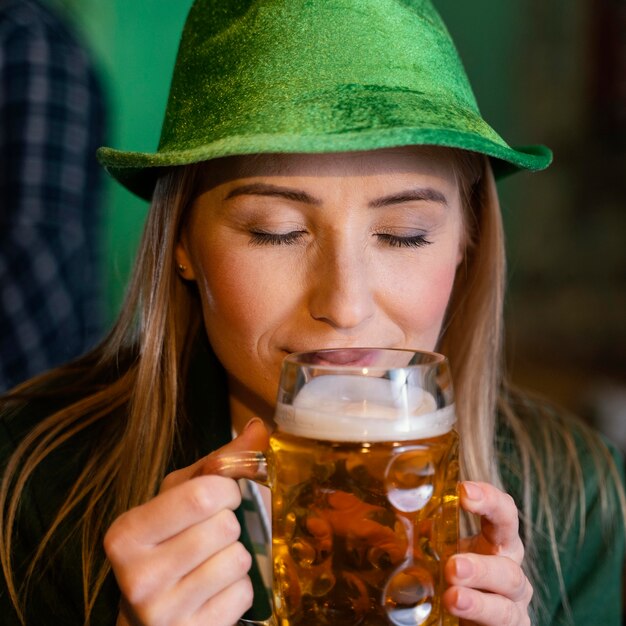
(352, 357)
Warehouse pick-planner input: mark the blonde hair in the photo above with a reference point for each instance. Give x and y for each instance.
(140, 407)
(543, 434)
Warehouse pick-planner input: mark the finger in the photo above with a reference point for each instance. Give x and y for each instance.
(182, 554)
(227, 607)
(494, 574)
(179, 603)
(499, 520)
(243, 458)
(213, 576)
(484, 609)
(168, 514)
(254, 436)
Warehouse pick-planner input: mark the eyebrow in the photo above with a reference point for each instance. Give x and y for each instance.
(264, 189)
(423, 194)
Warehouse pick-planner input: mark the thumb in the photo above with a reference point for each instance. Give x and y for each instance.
(253, 439)
(240, 458)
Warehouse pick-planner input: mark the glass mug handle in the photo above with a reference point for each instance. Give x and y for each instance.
(250, 465)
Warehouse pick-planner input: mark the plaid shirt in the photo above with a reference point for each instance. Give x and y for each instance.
(51, 121)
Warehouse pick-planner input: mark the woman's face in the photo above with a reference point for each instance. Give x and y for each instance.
(303, 252)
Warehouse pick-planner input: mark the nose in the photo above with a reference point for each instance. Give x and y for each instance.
(341, 291)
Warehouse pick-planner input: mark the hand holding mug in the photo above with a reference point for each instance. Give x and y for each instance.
(487, 584)
(177, 558)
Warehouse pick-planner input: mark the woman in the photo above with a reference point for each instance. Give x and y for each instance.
(323, 179)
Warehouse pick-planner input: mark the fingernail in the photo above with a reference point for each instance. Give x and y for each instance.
(472, 491)
(254, 420)
(463, 568)
(463, 601)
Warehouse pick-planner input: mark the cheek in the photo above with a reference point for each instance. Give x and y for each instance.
(420, 300)
(239, 298)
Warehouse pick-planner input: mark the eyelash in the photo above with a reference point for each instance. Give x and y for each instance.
(416, 241)
(275, 239)
(287, 239)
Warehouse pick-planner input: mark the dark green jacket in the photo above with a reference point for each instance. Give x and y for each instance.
(591, 563)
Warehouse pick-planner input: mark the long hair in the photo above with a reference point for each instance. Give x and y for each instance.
(472, 334)
(472, 338)
(138, 407)
(147, 350)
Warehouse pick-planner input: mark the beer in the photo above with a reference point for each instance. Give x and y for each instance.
(361, 527)
(363, 469)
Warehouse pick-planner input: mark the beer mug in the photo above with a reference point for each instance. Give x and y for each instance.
(363, 470)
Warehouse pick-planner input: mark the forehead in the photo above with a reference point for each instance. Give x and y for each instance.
(431, 162)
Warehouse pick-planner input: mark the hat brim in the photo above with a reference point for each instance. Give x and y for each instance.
(139, 171)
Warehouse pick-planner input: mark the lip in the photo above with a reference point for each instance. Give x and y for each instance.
(348, 357)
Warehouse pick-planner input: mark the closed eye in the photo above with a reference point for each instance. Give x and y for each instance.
(414, 241)
(259, 238)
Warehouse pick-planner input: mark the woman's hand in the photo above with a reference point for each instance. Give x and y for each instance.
(176, 558)
(488, 586)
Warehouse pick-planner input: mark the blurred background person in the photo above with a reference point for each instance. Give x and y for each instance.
(52, 119)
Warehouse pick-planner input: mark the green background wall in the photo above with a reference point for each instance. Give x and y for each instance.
(145, 39)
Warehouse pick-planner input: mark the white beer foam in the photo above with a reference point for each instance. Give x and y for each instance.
(363, 408)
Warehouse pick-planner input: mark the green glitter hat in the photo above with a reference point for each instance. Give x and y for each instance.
(263, 76)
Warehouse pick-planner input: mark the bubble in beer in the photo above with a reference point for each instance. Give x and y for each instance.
(409, 480)
(379, 558)
(323, 584)
(303, 553)
(408, 597)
